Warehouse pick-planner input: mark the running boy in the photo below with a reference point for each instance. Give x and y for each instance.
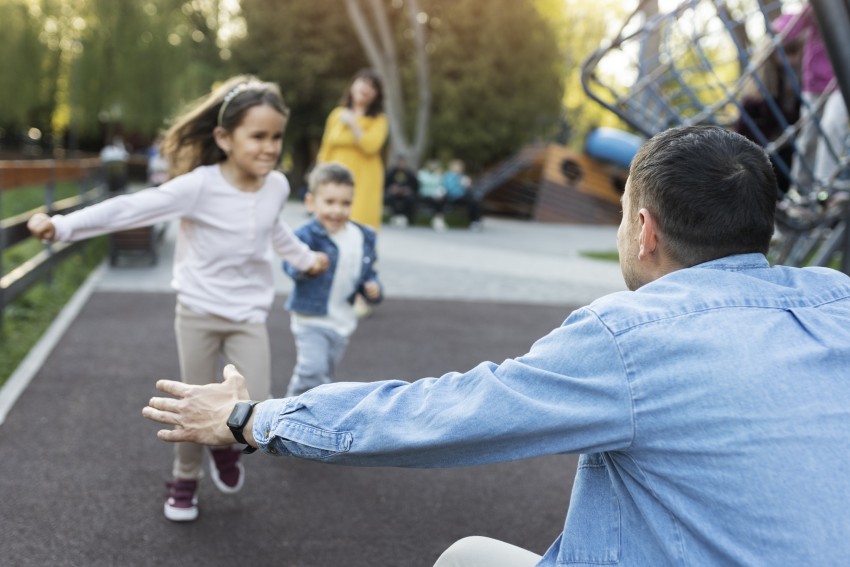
(322, 306)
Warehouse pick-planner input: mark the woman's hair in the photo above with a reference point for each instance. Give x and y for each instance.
(377, 105)
(190, 140)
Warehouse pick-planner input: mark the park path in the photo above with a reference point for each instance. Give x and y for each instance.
(82, 474)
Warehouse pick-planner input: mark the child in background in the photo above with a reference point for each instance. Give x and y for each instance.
(228, 196)
(322, 306)
(456, 184)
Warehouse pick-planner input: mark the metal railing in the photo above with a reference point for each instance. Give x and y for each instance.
(695, 61)
(15, 174)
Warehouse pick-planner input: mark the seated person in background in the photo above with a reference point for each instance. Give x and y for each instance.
(710, 404)
(457, 184)
(432, 192)
(401, 188)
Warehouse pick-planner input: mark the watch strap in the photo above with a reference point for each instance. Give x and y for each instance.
(236, 430)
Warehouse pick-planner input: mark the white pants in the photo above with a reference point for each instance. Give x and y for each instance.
(477, 551)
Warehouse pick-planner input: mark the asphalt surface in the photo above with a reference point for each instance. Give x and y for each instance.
(82, 474)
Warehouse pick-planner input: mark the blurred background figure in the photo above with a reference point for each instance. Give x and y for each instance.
(157, 164)
(432, 192)
(822, 136)
(355, 133)
(401, 188)
(456, 184)
(115, 157)
(770, 101)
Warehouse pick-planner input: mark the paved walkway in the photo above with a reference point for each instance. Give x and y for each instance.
(81, 473)
(510, 260)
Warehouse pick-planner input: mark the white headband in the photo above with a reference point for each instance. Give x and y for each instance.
(237, 90)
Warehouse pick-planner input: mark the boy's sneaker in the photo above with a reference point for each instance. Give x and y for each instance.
(438, 223)
(182, 502)
(227, 472)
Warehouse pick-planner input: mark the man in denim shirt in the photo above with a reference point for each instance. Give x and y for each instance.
(710, 404)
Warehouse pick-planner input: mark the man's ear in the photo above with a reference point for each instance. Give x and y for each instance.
(308, 201)
(222, 139)
(648, 238)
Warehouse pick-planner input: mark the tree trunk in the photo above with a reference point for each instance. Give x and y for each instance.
(381, 52)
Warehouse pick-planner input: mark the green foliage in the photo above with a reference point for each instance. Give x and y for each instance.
(23, 54)
(23, 199)
(95, 68)
(28, 317)
(498, 78)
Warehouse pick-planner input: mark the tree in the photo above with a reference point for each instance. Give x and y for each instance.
(312, 53)
(498, 78)
(379, 44)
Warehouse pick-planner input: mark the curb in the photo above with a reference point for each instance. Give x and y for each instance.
(31, 364)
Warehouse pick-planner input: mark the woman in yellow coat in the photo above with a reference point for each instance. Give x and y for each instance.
(355, 133)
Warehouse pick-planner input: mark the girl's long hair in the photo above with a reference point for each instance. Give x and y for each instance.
(190, 142)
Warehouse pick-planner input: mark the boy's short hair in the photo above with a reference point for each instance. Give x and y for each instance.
(330, 172)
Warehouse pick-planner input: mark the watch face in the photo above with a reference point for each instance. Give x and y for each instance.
(239, 415)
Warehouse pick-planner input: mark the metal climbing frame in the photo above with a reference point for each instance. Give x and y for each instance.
(686, 62)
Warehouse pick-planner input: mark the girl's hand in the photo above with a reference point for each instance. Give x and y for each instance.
(320, 264)
(41, 226)
(372, 290)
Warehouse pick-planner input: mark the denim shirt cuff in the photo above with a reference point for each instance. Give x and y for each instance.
(267, 416)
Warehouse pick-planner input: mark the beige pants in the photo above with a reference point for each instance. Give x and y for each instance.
(477, 551)
(204, 344)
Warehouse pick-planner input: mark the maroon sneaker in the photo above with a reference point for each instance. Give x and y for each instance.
(182, 502)
(226, 471)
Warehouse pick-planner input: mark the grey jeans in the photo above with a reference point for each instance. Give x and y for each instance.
(319, 351)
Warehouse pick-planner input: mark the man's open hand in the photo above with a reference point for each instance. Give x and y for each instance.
(198, 413)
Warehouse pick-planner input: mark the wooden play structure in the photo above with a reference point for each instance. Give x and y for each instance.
(552, 183)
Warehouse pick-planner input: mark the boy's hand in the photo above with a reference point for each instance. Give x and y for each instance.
(320, 264)
(372, 290)
(41, 226)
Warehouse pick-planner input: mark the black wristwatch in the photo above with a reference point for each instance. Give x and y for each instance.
(236, 422)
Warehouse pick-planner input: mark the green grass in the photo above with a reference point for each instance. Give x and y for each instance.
(610, 256)
(27, 318)
(17, 201)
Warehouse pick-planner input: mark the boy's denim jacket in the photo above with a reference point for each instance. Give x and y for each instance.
(310, 294)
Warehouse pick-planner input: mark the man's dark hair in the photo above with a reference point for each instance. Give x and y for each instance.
(711, 191)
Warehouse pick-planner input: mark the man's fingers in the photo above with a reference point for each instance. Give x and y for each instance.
(173, 435)
(176, 389)
(156, 413)
(230, 373)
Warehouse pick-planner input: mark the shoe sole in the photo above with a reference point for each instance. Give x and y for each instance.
(181, 514)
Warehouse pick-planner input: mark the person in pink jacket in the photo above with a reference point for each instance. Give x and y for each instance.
(818, 148)
(228, 197)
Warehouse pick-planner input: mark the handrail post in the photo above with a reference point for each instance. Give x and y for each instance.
(2, 251)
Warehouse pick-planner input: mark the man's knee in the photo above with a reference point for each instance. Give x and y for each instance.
(479, 551)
